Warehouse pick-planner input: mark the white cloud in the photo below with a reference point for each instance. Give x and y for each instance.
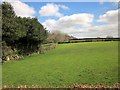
(98, 31)
(81, 25)
(63, 7)
(83, 19)
(108, 28)
(51, 9)
(69, 23)
(113, 1)
(22, 9)
(109, 17)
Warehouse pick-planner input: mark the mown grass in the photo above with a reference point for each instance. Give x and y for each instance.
(83, 63)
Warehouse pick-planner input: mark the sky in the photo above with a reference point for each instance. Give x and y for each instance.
(79, 19)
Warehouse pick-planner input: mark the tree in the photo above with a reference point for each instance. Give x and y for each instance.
(22, 34)
(12, 29)
(109, 38)
(57, 36)
(35, 36)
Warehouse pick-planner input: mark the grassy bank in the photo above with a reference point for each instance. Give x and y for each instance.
(84, 63)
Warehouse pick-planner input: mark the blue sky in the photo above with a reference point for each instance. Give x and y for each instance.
(79, 19)
(95, 8)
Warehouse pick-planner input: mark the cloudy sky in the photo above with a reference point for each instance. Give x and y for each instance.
(80, 19)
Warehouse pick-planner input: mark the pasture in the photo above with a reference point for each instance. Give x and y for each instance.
(83, 63)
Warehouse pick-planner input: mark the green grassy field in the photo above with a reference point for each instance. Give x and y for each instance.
(83, 63)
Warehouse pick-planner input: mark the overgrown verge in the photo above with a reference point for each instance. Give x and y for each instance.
(102, 86)
(116, 86)
(10, 54)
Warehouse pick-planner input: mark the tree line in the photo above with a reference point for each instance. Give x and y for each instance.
(20, 36)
